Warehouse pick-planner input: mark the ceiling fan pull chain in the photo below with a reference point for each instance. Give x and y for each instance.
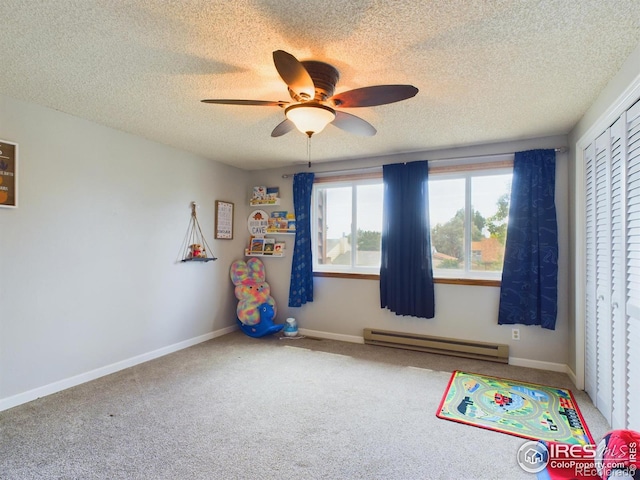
(309, 150)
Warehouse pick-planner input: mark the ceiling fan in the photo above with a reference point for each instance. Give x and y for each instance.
(311, 86)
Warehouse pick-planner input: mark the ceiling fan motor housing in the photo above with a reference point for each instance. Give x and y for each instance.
(324, 76)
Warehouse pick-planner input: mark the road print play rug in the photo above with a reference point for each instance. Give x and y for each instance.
(526, 410)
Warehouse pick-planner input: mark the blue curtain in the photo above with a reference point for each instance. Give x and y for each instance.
(406, 275)
(301, 287)
(529, 291)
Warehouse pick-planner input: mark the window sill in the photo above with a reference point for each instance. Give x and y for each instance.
(358, 276)
(447, 281)
(480, 282)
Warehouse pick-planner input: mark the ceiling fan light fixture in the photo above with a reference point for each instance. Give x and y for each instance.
(310, 117)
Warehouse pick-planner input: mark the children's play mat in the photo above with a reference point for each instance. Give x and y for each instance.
(527, 410)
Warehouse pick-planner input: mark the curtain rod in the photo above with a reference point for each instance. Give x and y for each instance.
(557, 150)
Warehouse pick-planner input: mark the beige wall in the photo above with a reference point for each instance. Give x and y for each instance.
(342, 308)
(88, 272)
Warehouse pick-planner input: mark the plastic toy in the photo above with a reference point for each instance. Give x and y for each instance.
(266, 325)
(256, 307)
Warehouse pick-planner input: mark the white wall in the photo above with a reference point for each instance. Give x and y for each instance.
(89, 278)
(343, 307)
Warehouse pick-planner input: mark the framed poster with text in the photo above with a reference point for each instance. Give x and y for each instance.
(8, 174)
(224, 220)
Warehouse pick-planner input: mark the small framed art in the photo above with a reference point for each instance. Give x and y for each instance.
(224, 220)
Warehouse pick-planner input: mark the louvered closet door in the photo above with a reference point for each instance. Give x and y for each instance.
(617, 147)
(603, 246)
(605, 366)
(612, 296)
(632, 346)
(591, 351)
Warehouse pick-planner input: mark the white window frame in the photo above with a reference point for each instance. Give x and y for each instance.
(341, 183)
(467, 175)
(455, 168)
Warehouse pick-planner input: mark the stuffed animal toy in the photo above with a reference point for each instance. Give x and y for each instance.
(196, 251)
(256, 307)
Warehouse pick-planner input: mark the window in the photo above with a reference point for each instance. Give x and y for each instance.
(468, 208)
(468, 217)
(347, 225)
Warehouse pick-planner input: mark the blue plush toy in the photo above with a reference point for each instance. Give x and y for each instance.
(266, 325)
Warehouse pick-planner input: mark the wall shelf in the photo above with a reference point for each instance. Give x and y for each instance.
(263, 226)
(265, 203)
(281, 232)
(195, 247)
(248, 253)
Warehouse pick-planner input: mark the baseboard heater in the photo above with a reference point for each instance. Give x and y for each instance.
(494, 352)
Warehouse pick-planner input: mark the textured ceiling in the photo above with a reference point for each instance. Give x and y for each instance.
(487, 70)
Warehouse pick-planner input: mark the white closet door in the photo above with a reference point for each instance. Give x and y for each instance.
(591, 351)
(618, 273)
(633, 268)
(612, 295)
(603, 276)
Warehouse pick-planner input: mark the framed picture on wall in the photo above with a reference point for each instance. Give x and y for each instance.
(8, 174)
(224, 220)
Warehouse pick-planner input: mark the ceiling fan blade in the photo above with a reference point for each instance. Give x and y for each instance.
(353, 124)
(294, 74)
(372, 96)
(259, 103)
(283, 127)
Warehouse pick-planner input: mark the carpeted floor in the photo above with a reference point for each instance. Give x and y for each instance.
(242, 408)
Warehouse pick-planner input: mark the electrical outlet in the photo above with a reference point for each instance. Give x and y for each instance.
(515, 334)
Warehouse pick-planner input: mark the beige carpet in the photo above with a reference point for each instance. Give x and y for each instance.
(243, 408)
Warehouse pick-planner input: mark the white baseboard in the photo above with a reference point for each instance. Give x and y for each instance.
(574, 378)
(540, 365)
(28, 396)
(331, 336)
